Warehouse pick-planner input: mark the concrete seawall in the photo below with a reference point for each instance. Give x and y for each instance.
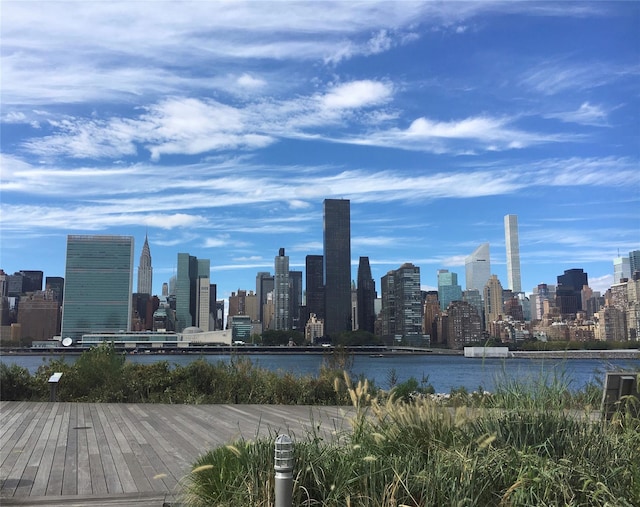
(578, 354)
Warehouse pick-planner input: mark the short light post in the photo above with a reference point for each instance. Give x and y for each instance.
(283, 465)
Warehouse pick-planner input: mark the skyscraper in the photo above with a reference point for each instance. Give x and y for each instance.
(295, 299)
(282, 317)
(569, 291)
(264, 285)
(98, 285)
(337, 265)
(56, 284)
(31, 280)
(145, 271)
(634, 261)
(192, 292)
(493, 300)
(621, 269)
(366, 296)
(314, 284)
(478, 268)
(513, 252)
(448, 288)
(402, 301)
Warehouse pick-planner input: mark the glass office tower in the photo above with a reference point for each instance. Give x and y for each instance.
(337, 266)
(366, 296)
(98, 285)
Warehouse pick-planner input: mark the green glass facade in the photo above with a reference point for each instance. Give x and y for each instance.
(98, 285)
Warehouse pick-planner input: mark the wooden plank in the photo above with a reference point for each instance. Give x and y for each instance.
(84, 483)
(130, 449)
(41, 480)
(70, 475)
(35, 460)
(98, 480)
(104, 437)
(21, 453)
(9, 416)
(15, 429)
(153, 468)
(56, 473)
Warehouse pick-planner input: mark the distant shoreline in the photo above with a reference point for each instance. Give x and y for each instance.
(370, 351)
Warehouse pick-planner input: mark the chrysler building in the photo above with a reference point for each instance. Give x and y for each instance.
(145, 271)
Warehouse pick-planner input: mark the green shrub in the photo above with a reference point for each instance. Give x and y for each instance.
(16, 383)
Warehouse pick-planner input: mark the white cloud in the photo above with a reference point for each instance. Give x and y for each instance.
(248, 81)
(464, 136)
(561, 75)
(357, 94)
(601, 283)
(380, 42)
(586, 114)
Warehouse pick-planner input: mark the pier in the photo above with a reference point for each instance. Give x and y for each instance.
(116, 454)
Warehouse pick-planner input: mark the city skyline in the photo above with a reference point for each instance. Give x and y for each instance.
(220, 129)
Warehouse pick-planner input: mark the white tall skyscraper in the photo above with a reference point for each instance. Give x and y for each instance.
(513, 252)
(478, 268)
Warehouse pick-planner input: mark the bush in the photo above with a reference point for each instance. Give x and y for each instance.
(16, 384)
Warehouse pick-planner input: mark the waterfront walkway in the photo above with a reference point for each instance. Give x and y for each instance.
(108, 454)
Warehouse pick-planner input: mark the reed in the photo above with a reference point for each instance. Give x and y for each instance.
(522, 448)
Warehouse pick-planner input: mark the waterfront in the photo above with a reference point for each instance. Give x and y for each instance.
(444, 372)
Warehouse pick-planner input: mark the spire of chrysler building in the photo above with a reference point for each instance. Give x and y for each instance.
(145, 271)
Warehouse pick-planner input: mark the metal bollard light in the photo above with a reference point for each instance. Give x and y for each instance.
(283, 465)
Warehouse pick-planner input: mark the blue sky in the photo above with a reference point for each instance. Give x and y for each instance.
(218, 128)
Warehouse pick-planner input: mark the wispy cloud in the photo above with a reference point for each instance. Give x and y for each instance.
(586, 114)
(562, 75)
(109, 198)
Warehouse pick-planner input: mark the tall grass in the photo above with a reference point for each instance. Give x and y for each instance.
(522, 448)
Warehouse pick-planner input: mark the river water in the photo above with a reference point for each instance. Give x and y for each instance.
(443, 372)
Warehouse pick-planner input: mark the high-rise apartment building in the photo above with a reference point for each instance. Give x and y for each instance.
(281, 300)
(192, 292)
(493, 300)
(402, 301)
(366, 295)
(478, 268)
(295, 299)
(474, 298)
(544, 297)
(55, 284)
(39, 316)
(337, 266)
(264, 285)
(145, 271)
(634, 262)
(513, 252)
(98, 285)
(448, 288)
(431, 312)
(463, 325)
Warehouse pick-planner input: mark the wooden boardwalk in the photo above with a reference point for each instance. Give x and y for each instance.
(107, 454)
